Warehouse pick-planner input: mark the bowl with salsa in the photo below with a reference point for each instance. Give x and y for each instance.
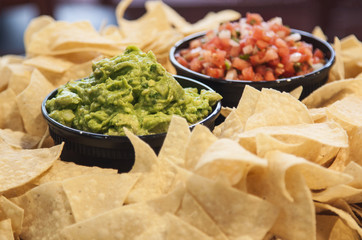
(130, 91)
(251, 51)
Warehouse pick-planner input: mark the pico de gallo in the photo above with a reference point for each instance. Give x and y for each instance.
(251, 49)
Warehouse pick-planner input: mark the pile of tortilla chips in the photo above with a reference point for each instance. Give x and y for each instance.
(276, 168)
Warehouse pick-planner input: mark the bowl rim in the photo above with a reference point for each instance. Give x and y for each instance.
(176, 64)
(215, 112)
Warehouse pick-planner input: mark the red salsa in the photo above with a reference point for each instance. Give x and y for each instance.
(251, 49)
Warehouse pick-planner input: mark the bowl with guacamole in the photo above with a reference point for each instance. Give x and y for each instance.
(129, 91)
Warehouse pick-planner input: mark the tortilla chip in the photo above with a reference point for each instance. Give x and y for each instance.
(332, 227)
(199, 141)
(62, 38)
(231, 127)
(348, 113)
(211, 21)
(329, 134)
(61, 170)
(343, 215)
(101, 193)
(332, 92)
(126, 222)
(19, 139)
(35, 26)
(6, 232)
(228, 158)
(29, 102)
(19, 78)
(288, 190)
(46, 211)
(10, 116)
(9, 210)
(307, 149)
(179, 229)
(49, 63)
(318, 32)
(145, 157)
(174, 147)
(337, 71)
(192, 212)
(19, 167)
(241, 210)
(274, 108)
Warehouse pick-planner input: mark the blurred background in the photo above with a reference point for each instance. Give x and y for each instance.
(335, 17)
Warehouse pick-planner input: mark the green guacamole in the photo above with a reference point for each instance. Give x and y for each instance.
(130, 91)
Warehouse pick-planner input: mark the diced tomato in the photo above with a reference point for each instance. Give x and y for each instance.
(218, 58)
(283, 53)
(289, 69)
(269, 76)
(257, 58)
(260, 69)
(240, 63)
(262, 44)
(234, 51)
(273, 63)
(225, 44)
(253, 18)
(318, 53)
(182, 61)
(270, 54)
(248, 73)
(258, 77)
(215, 72)
(280, 43)
(195, 65)
(279, 71)
(195, 43)
(280, 30)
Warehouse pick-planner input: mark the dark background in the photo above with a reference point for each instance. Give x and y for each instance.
(336, 18)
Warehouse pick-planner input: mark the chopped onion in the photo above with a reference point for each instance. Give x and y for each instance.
(224, 34)
(317, 66)
(231, 74)
(248, 49)
(295, 57)
(276, 20)
(293, 37)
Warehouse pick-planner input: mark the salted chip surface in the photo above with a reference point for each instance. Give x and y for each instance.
(199, 141)
(241, 210)
(61, 170)
(274, 108)
(6, 232)
(20, 166)
(287, 190)
(226, 157)
(9, 210)
(19, 139)
(174, 147)
(101, 192)
(327, 133)
(46, 211)
(29, 102)
(10, 116)
(126, 222)
(333, 91)
(179, 229)
(19, 78)
(192, 212)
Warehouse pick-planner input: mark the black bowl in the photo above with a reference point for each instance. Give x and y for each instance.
(231, 90)
(91, 149)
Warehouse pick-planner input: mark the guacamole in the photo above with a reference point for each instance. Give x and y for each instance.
(130, 91)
